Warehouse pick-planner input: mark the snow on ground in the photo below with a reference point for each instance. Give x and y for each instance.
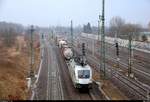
(140, 46)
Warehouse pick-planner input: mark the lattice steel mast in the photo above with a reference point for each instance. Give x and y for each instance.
(102, 18)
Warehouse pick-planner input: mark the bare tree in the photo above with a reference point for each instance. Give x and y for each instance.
(87, 28)
(9, 31)
(135, 28)
(132, 27)
(9, 37)
(122, 29)
(116, 24)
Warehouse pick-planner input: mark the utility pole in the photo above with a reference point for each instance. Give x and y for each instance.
(32, 56)
(103, 38)
(130, 55)
(98, 30)
(98, 39)
(71, 34)
(41, 45)
(52, 34)
(93, 46)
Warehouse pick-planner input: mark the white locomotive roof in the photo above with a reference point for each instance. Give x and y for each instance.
(86, 67)
(76, 66)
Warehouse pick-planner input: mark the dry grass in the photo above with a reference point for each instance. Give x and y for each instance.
(14, 64)
(108, 87)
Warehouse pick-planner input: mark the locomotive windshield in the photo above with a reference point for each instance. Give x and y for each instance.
(84, 74)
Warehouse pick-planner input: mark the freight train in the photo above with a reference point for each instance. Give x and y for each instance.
(80, 71)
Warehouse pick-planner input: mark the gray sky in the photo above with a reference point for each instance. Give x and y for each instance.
(60, 12)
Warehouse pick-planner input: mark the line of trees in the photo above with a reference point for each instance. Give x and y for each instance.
(8, 33)
(87, 28)
(119, 27)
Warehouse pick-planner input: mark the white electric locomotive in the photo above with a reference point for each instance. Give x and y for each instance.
(80, 75)
(80, 71)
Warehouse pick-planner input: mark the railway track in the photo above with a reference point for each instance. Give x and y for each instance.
(133, 85)
(136, 87)
(54, 88)
(139, 70)
(123, 65)
(140, 61)
(48, 87)
(41, 90)
(140, 74)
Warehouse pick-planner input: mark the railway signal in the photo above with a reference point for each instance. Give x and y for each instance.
(117, 49)
(83, 49)
(117, 53)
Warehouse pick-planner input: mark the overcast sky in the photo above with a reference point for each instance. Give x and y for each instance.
(60, 12)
